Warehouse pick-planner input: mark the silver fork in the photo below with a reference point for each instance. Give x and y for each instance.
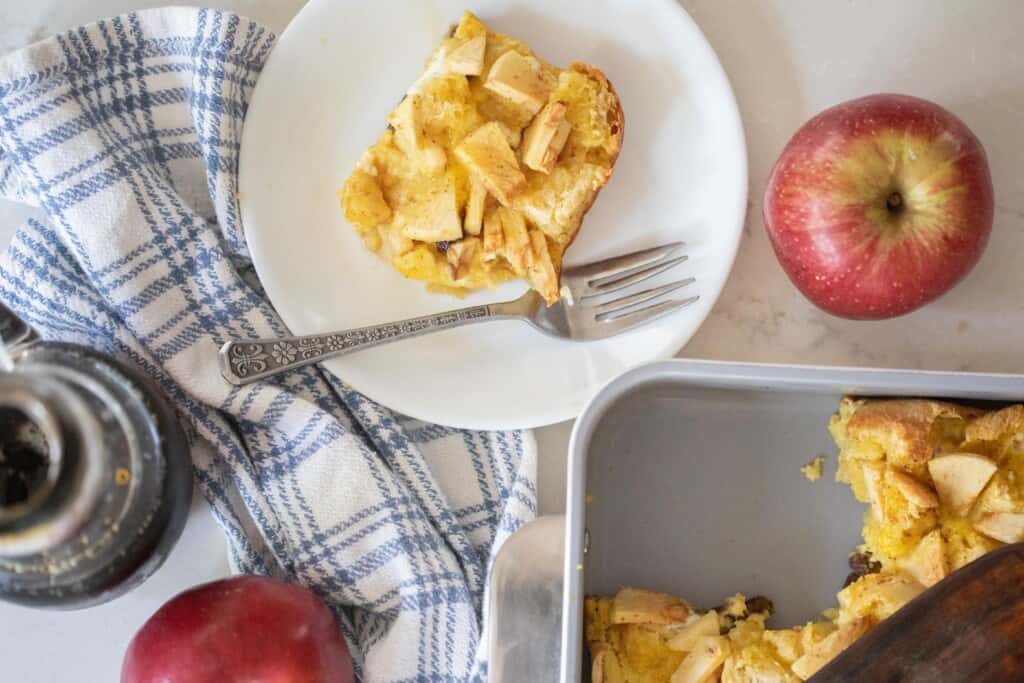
(583, 314)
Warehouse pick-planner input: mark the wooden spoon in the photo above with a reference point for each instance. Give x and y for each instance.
(967, 627)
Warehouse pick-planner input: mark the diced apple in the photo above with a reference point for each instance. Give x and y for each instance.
(960, 478)
(605, 666)
(914, 491)
(636, 606)
(468, 58)
(874, 480)
(545, 137)
(473, 222)
(703, 661)
(822, 652)
(540, 269)
(518, 79)
(1007, 527)
(928, 562)
(879, 595)
(686, 639)
(488, 156)
(494, 235)
(435, 218)
(517, 240)
(460, 256)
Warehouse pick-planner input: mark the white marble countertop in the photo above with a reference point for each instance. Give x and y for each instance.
(787, 59)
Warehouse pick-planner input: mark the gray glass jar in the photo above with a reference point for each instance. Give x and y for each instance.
(95, 477)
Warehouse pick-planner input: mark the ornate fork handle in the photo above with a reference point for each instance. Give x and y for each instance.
(243, 362)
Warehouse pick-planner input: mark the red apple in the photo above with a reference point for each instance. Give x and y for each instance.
(240, 630)
(879, 205)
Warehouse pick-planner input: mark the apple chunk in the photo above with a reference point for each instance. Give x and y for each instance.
(545, 138)
(914, 491)
(960, 478)
(686, 639)
(927, 564)
(1007, 527)
(468, 57)
(487, 155)
(702, 663)
(822, 652)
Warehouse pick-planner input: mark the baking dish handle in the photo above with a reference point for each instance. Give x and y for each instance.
(524, 616)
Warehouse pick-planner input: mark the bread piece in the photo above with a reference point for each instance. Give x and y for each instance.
(904, 428)
(434, 218)
(363, 201)
(637, 606)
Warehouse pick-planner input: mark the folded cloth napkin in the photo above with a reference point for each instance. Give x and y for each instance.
(126, 132)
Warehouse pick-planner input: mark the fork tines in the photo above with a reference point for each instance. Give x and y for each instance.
(611, 275)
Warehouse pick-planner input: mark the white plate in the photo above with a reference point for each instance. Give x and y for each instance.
(337, 71)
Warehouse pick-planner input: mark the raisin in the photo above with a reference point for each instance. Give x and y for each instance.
(850, 578)
(760, 604)
(862, 564)
(442, 246)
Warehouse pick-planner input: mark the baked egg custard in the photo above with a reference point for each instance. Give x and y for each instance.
(943, 484)
(487, 166)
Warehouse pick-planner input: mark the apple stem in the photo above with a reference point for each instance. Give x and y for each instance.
(895, 202)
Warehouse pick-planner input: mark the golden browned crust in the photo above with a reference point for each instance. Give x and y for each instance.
(905, 423)
(619, 124)
(620, 118)
(997, 425)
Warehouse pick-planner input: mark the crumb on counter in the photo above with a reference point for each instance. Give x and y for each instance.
(812, 470)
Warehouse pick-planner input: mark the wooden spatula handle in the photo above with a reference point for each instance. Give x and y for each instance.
(968, 627)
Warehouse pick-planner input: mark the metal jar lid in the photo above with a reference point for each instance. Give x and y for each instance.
(113, 489)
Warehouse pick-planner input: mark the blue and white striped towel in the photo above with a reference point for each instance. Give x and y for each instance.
(126, 132)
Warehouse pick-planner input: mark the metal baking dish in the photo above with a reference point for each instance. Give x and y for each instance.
(684, 477)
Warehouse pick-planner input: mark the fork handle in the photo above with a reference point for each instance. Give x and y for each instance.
(244, 362)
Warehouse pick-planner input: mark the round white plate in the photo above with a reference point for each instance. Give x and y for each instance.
(323, 97)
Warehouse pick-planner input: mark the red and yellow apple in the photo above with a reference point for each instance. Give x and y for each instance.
(879, 205)
(240, 630)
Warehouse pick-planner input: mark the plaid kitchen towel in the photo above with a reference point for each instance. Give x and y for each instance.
(126, 132)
